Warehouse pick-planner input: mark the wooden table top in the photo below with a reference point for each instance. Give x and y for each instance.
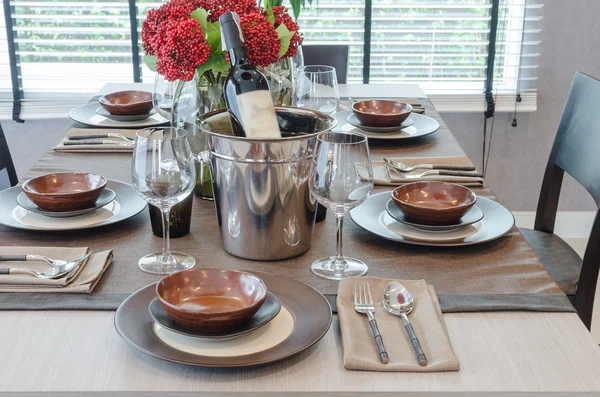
(60, 351)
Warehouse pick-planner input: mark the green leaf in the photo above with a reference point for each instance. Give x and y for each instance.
(150, 61)
(270, 15)
(216, 63)
(296, 4)
(213, 27)
(200, 15)
(285, 37)
(214, 41)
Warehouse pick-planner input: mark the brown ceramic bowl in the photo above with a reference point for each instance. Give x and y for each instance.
(434, 203)
(381, 112)
(211, 299)
(127, 103)
(65, 191)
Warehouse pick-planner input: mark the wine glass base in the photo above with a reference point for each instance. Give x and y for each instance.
(324, 268)
(153, 264)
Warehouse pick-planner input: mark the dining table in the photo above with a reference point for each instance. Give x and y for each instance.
(68, 344)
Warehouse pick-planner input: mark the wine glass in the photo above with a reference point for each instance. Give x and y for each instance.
(316, 88)
(342, 179)
(163, 96)
(163, 173)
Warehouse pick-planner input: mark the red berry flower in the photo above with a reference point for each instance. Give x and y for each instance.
(260, 38)
(168, 12)
(220, 7)
(282, 17)
(180, 47)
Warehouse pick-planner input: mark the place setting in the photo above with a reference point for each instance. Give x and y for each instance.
(68, 201)
(223, 318)
(122, 109)
(386, 120)
(433, 213)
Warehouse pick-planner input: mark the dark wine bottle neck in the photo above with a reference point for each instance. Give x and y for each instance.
(238, 56)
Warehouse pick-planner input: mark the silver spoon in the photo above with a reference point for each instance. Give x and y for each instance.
(41, 258)
(398, 301)
(52, 273)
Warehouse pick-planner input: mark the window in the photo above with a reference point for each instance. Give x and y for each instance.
(69, 49)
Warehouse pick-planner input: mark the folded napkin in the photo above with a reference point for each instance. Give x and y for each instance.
(83, 281)
(415, 102)
(359, 348)
(381, 177)
(103, 148)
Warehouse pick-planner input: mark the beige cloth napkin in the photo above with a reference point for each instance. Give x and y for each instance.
(381, 177)
(83, 281)
(104, 148)
(359, 348)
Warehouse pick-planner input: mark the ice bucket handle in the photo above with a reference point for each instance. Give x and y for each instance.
(204, 160)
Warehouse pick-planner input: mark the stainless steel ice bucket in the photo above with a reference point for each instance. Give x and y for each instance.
(264, 208)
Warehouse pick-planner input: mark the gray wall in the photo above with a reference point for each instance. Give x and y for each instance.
(518, 158)
(569, 44)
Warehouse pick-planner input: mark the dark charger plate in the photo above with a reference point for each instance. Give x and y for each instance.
(269, 309)
(310, 310)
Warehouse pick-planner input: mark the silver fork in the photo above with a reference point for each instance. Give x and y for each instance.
(430, 173)
(398, 166)
(363, 303)
(100, 136)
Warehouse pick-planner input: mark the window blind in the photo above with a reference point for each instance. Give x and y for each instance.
(5, 81)
(67, 50)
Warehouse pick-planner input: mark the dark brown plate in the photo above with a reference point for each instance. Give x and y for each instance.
(106, 197)
(266, 313)
(311, 312)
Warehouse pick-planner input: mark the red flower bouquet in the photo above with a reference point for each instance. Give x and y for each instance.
(183, 37)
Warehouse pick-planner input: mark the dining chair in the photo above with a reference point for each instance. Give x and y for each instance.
(330, 55)
(576, 152)
(8, 175)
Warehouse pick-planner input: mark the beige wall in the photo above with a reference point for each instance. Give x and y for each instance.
(570, 43)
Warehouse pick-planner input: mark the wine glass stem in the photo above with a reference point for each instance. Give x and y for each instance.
(339, 263)
(166, 252)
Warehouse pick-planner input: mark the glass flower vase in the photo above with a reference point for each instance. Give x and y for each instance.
(193, 98)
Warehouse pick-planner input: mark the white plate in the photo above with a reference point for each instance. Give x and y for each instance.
(413, 233)
(261, 339)
(126, 205)
(137, 117)
(41, 222)
(497, 222)
(422, 126)
(87, 115)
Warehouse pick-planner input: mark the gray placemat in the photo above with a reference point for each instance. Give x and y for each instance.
(449, 303)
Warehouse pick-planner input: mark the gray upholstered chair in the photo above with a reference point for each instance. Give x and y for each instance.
(8, 176)
(328, 55)
(576, 151)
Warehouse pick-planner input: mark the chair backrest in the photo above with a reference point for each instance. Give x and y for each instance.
(576, 151)
(328, 55)
(8, 175)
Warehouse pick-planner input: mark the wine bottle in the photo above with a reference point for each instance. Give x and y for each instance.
(246, 89)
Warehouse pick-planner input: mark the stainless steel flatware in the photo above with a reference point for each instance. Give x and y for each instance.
(52, 273)
(363, 303)
(100, 136)
(405, 168)
(398, 301)
(432, 173)
(39, 258)
(103, 142)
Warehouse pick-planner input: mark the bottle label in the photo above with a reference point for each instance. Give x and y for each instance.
(258, 114)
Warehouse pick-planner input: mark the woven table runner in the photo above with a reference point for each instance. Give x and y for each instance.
(500, 275)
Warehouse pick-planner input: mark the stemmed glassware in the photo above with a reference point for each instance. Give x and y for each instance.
(163, 173)
(342, 179)
(316, 87)
(163, 96)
